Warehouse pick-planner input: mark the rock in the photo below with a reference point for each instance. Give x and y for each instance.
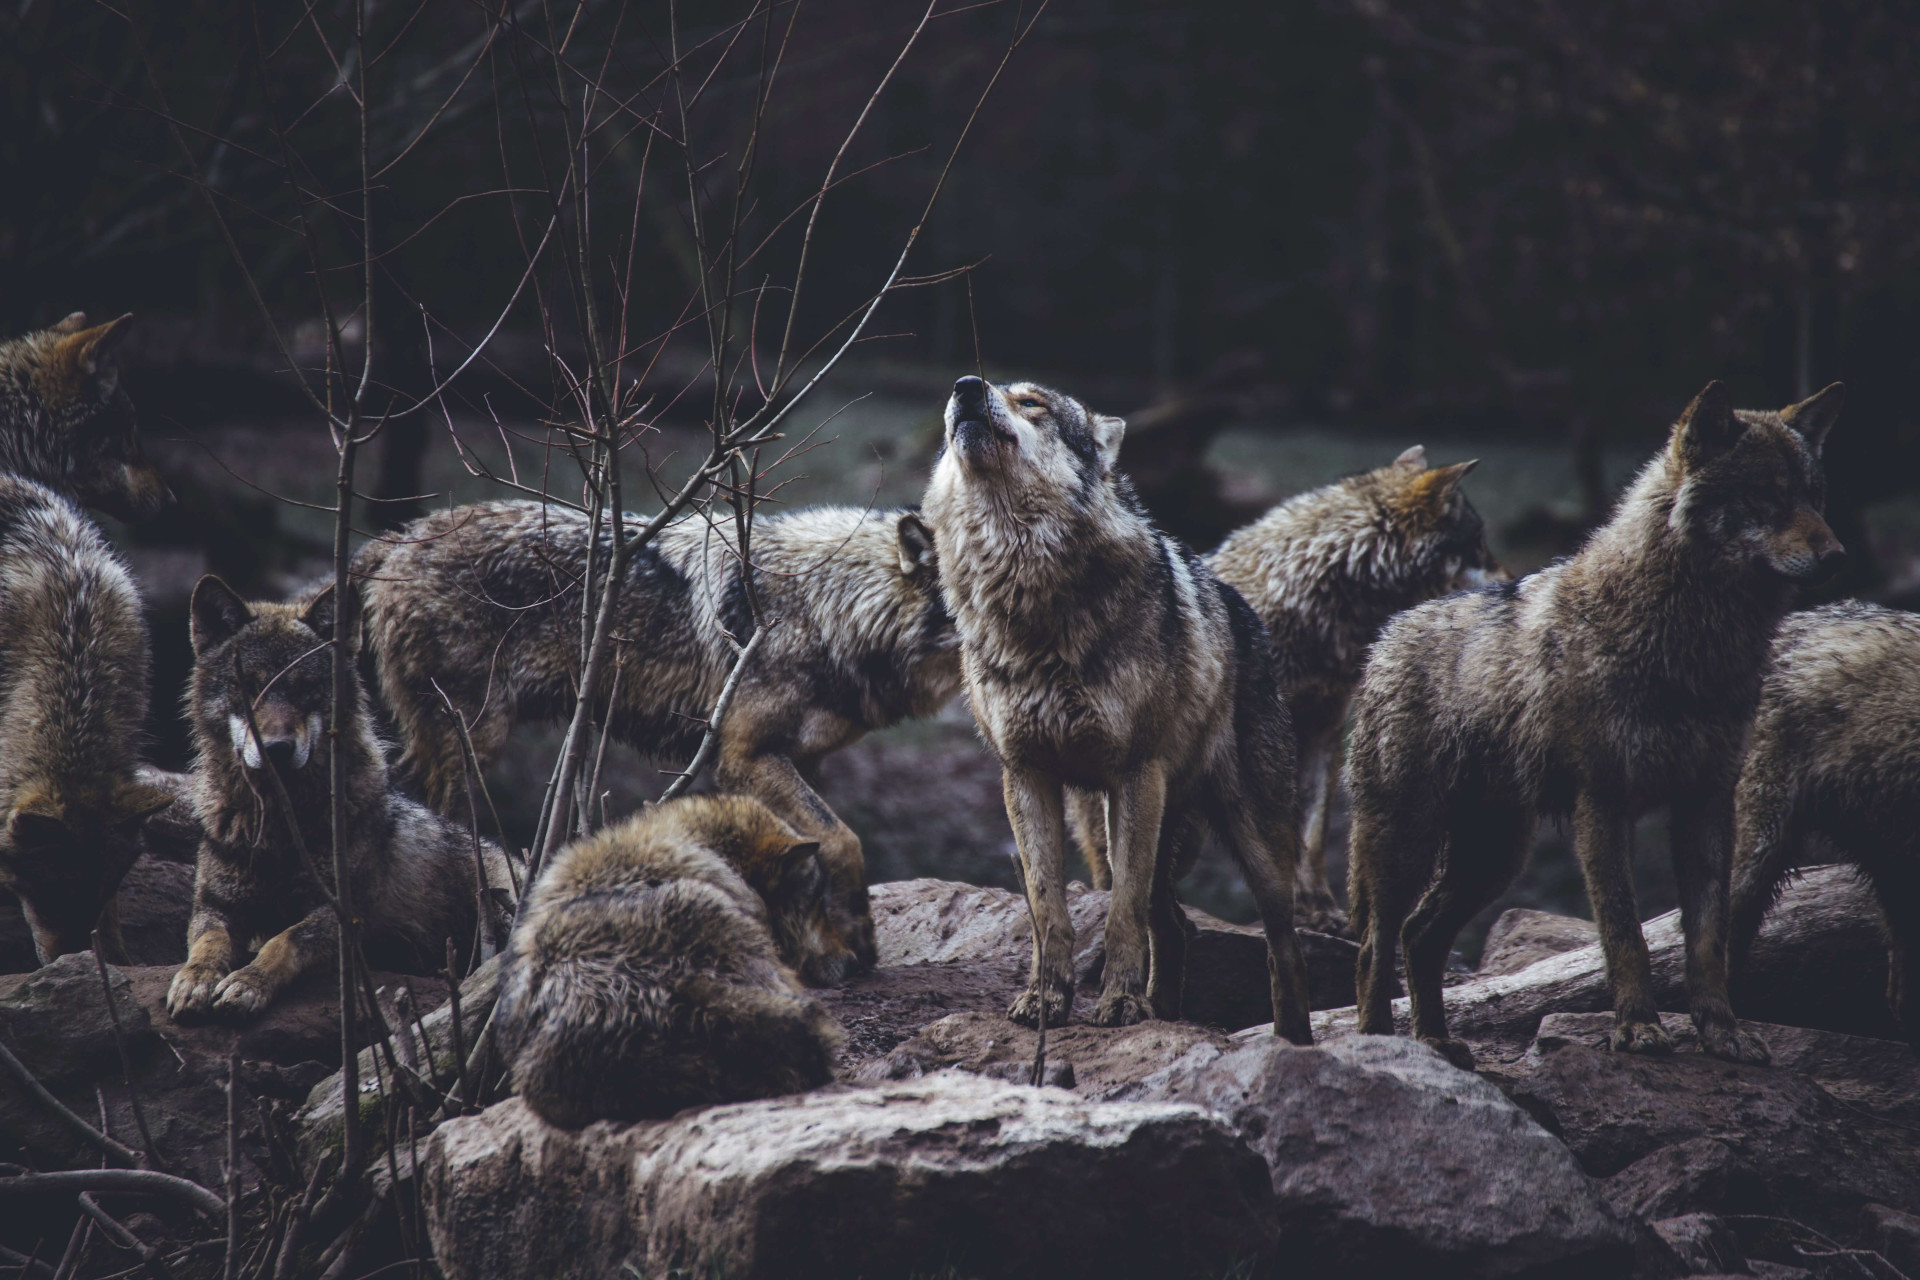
(886, 1007)
(1521, 936)
(1893, 1234)
(939, 921)
(1387, 1160)
(1700, 1175)
(156, 898)
(1817, 1160)
(950, 1172)
(1705, 1244)
(1819, 962)
(1104, 1060)
(57, 1022)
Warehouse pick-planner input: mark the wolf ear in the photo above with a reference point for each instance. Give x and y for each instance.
(1707, 428)
(37, 820)
(1414, 459)
(1107, 431)
(916, 545)
(1813, 417)
(319, 614)
(800, 870)
(1434, 488)
(88, 349)
(217, 614)
(136, 802)
(74, 322)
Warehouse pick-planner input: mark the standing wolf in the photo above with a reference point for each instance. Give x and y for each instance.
(1835, 756)
(1099, 654)
(413, 872)
(652, 967)
(66, 421)
(485, 601)
(73, 703)
(1325, 571)
(1612, 683)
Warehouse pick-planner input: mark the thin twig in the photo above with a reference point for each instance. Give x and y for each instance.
(93, 1136)
(149, 1256)
(153, 1156)
(231, 1269)
(720, 705)
(127, 1181)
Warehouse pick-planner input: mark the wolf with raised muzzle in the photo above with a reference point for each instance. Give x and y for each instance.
(262, 700)
(1616, 682)
(1101, 656)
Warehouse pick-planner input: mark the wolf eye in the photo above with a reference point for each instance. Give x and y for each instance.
(1030, 402)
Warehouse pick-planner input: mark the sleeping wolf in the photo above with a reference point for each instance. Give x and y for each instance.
(66, 421)
(1101, 655)
(73, 703)
(1835, 757)
(652, 967)
(1325, 571)
(1612, 683)
(413, 872)
(485, 601)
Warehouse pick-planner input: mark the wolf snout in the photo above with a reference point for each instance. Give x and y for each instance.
(280, 752)
(1828, 554)
(970, 391)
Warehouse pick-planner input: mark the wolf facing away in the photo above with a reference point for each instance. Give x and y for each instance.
(1618, 681)
(652, 967)
(1835, 758)
(485, 601)
(66, 421)
(73, 704)
(413, 874)
(1325, 570)
(1101, 655)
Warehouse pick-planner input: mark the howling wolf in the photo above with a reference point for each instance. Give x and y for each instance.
(1101, 655)
(1618, 681)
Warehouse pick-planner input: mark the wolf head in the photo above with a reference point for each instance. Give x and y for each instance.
(65, 850)
(66, 421)
(1441, 536)
(1025, 440)
(275, 654)
(1751, 484)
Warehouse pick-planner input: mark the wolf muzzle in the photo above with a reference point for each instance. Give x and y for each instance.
(971, 410)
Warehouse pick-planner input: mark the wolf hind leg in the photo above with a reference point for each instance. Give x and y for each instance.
(1390, 859)
(1483, 853)
(1171, 933)
(1087, 819)
(1315, 906)
(1266, 853)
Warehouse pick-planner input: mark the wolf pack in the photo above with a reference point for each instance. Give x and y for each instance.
(1141, 699)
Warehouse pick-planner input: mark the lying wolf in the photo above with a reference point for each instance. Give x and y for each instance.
(73, 704)
(1612, 683)
(1101, 655)
(1835, 757)
(652, 967)
(1325, 571)
(66, 421)
(414, 878)
(485, 601)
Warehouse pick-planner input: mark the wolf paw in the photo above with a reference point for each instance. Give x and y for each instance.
(1458, 1052)
(1323, 917)
(1026, 1010)
(1727, 1040)
(242, 993)
(860, 941)
(1642, 1037)
(192, 990)
(1122, 1009)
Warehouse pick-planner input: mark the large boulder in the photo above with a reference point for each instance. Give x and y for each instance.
(947, 1172)
(1522, 936)
(1098, 1062)
(939, 921)
(1387, 1160)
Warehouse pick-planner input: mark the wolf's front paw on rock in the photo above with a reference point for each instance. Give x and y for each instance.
(1642, 1037)
(243, 993)
(1026, 1009)
(192, 990)
(1726, 1040)
(1122, 1009)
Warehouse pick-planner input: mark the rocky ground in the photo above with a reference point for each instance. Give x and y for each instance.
(1201, 1147)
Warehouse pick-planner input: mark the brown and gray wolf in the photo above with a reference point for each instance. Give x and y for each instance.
(1835, 757)
(1620, 680)
(652, 968)
(1101, 656)
(1325, 571)
(485, 601)
(66, 421)
(413, 872)
(73, 704)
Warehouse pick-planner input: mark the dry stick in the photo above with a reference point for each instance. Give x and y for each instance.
(297, 1224)
(93, 1136)
(148, 1255)
(153, 1156)
(231, 1269)
(76, 1245)
(26, 1262)
(725, 700)
(483, 936)
(122, 1181)
(459, 1034)
(606, 731)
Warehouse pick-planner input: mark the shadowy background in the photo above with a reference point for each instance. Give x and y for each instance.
(1288, 243)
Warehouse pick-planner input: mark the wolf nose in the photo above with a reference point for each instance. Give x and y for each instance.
(280, 752)
(1830, 557)
(970, 390)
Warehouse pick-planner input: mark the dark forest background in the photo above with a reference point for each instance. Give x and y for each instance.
(1520, 221)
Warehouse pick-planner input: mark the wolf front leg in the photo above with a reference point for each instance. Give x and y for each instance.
(1035, 808)
(209, 959)
(1702, 843)
(775, 780)
(1134, 809)
(248, 990)
(1314, 904)
(1601, 839)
